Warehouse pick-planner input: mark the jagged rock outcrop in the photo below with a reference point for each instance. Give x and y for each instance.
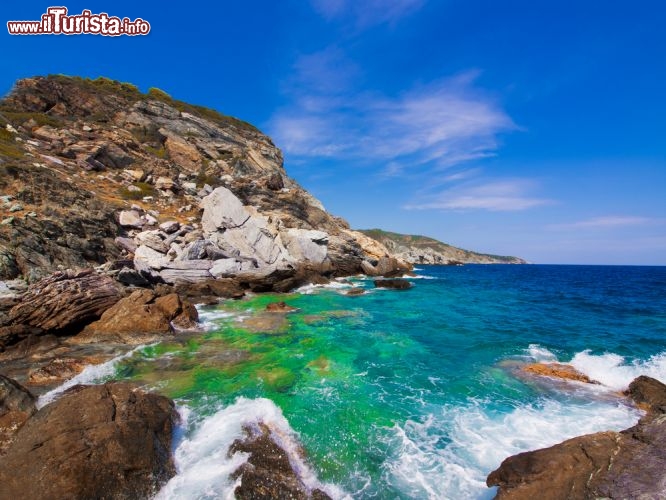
(61, 303)
(99, 168)
(268, 473)
(423, 250)
(627, 464)
(108, 441)
(140, 318)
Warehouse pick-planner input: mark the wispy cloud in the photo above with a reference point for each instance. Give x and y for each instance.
(366, 13)
(607, 222)
(434, 125)
(498, 196)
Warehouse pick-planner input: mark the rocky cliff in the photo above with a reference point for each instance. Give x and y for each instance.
(96, 172)
(423, 250)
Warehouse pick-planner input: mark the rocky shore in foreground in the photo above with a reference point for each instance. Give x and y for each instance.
(619, 465)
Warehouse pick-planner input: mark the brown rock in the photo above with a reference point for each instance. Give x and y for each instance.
(268, 473)
(648, 393)
(280, 307)
(627, 464)
(210, 291)
(396, 284)
(109, 441)
(558, 370)
(56, 370)
(141, 317)
(65, 301)
(355, 291)
(17, 404)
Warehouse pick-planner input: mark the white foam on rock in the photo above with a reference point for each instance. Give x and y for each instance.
(91, 374)
(477, 441)
(204, 465)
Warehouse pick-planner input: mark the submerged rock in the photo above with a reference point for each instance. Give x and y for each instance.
(280, 307)
(627, 464)
(108, 441)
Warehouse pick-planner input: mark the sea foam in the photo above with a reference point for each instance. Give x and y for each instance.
(91, 374)
(478, 440)
(202, 460)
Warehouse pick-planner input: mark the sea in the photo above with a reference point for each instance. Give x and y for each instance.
(401, 394)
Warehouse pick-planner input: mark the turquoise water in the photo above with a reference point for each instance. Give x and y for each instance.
(410, 394)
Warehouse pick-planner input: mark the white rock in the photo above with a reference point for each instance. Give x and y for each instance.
(222, 210)
(146, 256)
(164, 183)
(130, 218)
(225, 267)
(170, 227)
(306, 245)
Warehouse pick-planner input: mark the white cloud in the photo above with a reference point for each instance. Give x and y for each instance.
(498, 196)
(607, 222)
(366, 13)
(436, 125)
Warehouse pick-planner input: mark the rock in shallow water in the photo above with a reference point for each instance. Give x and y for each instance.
(558, 370)
(627, 464)
(109, 441)
(396, 284)
(268, 473)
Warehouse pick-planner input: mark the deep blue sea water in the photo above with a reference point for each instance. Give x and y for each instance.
(410, 394)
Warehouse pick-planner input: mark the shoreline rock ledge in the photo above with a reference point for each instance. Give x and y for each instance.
(626, 464)
(108, 441)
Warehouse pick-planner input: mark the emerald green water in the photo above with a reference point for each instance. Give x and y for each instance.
(409, 394)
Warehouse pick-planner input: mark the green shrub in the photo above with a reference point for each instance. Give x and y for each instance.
(160, 152)
(145, 189)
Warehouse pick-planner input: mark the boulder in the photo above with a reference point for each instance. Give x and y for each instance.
(140, 318)
(107, 441)
(131, 219)
(222, 210)
(65, 301)
(170, 227)
(225, 267)
(355, 291)
(306, 245)
(17, 404)
(648, 393)
(396, 284)
(559, 371)
(144, 256)
(153, 240)
(268, 472)
(627, 464)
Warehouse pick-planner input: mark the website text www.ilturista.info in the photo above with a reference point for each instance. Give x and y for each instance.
(56, 22)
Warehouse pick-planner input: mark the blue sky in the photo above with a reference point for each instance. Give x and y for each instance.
(527, 128)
